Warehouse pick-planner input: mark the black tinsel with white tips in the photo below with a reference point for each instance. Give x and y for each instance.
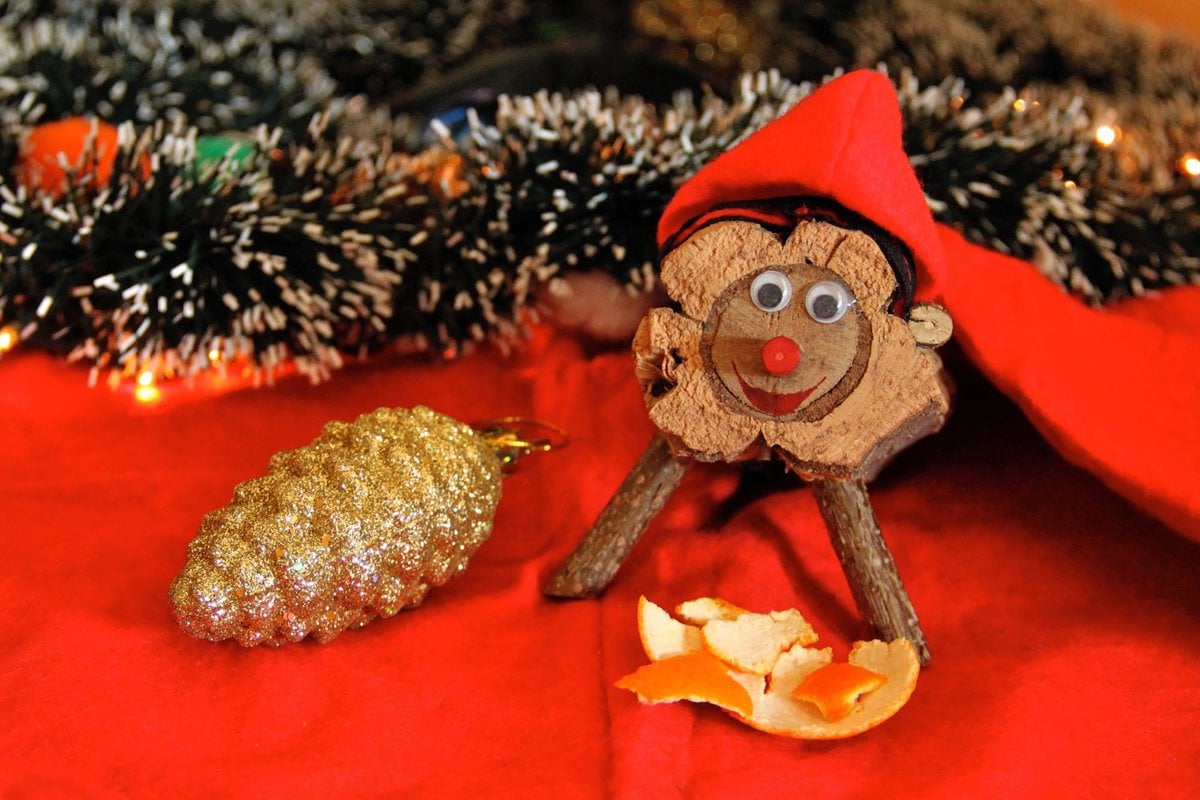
(354, 226)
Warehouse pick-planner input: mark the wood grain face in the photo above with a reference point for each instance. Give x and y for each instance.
(832, 355)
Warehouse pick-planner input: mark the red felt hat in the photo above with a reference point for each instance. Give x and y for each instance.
(842, 142)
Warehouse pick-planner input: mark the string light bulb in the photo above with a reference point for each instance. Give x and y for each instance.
(1107, 135)
(8, 338)
(1190, 165)
(146, 391)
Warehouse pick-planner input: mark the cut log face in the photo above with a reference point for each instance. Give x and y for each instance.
(787, 346)
(756, 358)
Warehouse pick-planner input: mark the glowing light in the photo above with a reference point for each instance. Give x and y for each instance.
(1019, 104)
(214, 355)
(146, 390)
(8, 339)
(1107, 135)
(1190, 164)
(147, 394)
(1069, 184)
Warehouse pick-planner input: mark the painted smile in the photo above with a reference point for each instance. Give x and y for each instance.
(776, 405)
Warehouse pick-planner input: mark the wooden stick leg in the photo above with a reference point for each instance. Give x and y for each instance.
(867, 562)
(642, 494)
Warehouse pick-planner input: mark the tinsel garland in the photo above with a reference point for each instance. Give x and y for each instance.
(354, 226)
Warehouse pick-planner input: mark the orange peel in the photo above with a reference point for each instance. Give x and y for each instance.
(836, 687)
(777, 711)
(697, 676)
(707, 609)
(662, 635)
(789, 688)
(753, 642)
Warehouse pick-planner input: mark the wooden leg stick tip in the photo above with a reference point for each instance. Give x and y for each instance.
(867, 561)
(599, 555)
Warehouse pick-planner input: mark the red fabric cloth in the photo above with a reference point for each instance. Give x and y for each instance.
(1115, 389)
(1064, 622)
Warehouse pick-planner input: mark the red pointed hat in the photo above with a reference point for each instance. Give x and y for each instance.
(843, 142)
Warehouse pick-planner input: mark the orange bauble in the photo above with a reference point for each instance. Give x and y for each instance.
(38, 168)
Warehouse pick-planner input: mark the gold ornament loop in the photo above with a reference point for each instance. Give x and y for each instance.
(515, 437)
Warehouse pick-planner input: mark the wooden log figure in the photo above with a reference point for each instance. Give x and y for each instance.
(795, 334)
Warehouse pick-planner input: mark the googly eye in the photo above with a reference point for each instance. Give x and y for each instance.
(771, 291)
(828, 301)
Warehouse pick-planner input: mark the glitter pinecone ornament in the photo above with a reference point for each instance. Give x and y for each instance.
(357, 525)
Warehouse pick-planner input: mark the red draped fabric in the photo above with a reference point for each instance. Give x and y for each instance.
(1064, 619)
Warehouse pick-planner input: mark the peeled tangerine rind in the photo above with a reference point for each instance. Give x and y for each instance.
(689, 667)
(777, 711)
(753, 642)
(697, 676)
(706, 609)
(663, 636)
(836, 688)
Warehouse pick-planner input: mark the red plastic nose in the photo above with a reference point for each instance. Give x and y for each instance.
(780, 355)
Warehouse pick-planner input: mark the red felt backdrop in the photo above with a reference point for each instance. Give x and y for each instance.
(1064, 621)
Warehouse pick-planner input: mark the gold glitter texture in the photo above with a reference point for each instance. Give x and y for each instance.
(357, 525)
